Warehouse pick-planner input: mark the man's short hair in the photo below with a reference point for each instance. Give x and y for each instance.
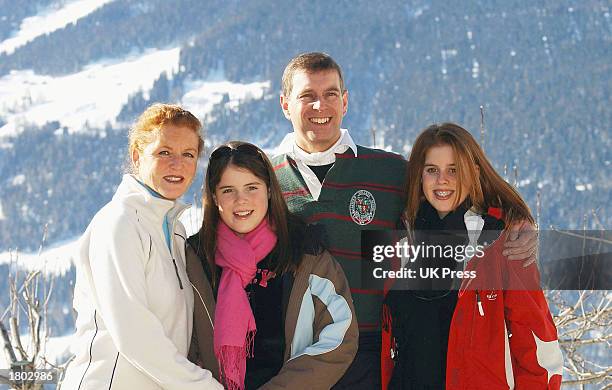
(310, 63)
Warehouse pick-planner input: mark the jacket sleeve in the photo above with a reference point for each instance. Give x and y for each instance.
(117, 260)
(536, 356)
(203, 314)
(334, 340)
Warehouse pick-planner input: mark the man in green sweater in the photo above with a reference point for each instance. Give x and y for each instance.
(343, 188)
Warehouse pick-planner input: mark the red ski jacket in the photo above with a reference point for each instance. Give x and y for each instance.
(502, 335)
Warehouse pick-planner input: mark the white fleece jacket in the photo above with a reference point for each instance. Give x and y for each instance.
(133, 299)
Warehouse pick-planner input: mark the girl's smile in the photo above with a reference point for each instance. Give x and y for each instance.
(242, 199)
(440, 180)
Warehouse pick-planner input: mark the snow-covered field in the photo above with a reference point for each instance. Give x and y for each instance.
(93, 96)
(56, 349)
(48, 20)
(59, 257)
(202, 95)
(56, 260)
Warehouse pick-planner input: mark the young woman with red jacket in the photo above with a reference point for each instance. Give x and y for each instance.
(491, 330)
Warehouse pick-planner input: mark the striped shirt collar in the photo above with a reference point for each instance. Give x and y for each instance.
(288, 146)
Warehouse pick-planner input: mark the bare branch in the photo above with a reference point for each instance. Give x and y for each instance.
(581, 236)
(8, 346)
(590, 378)
(16, 338)
(586, 341)
(482, 128)
(596, 219)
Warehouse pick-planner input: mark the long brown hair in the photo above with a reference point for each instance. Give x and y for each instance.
(247, 156)
(488, 188)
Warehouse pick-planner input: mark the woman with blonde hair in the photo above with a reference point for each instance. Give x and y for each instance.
(132, 295)
(496, 331)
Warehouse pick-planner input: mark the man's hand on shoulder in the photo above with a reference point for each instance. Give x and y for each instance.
(522, 243)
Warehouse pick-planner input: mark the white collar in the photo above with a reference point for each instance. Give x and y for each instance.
(289, 147)
(132, 191)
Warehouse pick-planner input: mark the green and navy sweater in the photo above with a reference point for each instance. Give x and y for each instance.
(366, 192)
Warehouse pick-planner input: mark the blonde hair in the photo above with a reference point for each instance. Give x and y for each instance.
(488, 188)
(147, 126)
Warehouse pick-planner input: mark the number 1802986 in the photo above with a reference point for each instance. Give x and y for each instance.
(43, 376)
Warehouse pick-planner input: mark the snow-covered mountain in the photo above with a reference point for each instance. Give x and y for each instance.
(47, 20)
(75, 73)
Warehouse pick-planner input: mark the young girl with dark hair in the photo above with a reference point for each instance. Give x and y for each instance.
(283, 316)
(496, 331)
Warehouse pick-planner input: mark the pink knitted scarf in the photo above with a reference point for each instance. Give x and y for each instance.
(234, 321)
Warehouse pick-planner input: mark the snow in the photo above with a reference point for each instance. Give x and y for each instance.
(192, 218)
(55, 260)
(93, 97)
(448, 53)
(543, 183)
(415, 12)
(475, 68)
(18, 180)
(583, 187)
(523, 183)
(89, 98)
(56, 349)
(49, 20)
(58, 258)
(202, 95)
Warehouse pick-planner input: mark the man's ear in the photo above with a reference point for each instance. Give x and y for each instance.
(284, 103)
(345, 102)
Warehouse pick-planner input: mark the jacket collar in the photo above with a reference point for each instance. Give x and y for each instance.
(482, 229)
(133, 193)
(290, 148)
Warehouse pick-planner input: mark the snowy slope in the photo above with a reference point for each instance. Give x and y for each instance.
(56, 349)
(58, 258)
(94, 95)
(203, 95)
(53, 18)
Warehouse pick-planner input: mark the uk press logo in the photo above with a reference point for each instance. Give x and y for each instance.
(362, 207)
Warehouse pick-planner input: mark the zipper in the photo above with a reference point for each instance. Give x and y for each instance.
(171, 232)
(177, 273)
